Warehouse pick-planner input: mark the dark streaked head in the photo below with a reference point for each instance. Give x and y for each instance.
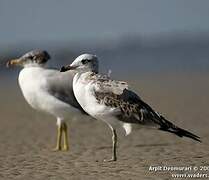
(83, 63)
(32, 58)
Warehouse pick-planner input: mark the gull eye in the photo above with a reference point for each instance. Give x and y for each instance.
(30, 57)
(84, 61)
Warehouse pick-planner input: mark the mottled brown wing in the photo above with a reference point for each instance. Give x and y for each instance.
(116, 94)
(131, 109)
(104, 84)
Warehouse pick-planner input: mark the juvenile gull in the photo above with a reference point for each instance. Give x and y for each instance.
(47, 90)
(112, 101)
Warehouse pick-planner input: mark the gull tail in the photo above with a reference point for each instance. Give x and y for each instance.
(165, 125)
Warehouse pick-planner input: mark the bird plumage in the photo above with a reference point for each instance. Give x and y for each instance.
(112, 102)
(128, 106)
(47, 90)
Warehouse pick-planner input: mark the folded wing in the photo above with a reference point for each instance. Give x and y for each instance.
(131, 108)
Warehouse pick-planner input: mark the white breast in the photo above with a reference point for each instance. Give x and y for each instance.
(30, 83)
(33, 83)
(84, 93)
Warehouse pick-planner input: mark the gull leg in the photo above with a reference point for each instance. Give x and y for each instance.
(114, 145)
(66, 145)
(59, 137)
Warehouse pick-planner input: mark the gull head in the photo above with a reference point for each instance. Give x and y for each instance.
(32, 58)
(83, 63)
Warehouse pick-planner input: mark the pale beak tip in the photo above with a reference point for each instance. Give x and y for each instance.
(8, 64)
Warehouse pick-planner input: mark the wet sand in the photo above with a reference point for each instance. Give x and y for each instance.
(27, 137)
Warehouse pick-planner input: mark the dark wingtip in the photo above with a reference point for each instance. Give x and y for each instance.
(182, 133)
(189, 135)
(170, 127)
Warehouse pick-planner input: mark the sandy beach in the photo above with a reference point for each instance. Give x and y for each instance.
(27, 137)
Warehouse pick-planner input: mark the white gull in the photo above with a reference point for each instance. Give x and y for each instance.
(47, 90)
(112, 102)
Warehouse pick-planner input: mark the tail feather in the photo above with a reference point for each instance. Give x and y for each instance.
(169, 127)
(166, 125)
(182, 133)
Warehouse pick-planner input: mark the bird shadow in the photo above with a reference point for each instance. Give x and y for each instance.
(154, 145)
(140, 145)
(103, 147)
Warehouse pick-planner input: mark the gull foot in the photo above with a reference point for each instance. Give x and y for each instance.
(110, 160)
(56, 149)
(65, 148)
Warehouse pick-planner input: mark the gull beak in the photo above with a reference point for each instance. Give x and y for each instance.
(14, 62)
(67, 68)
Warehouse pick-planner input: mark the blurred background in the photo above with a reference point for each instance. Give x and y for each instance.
(160, 47)
(131, 38)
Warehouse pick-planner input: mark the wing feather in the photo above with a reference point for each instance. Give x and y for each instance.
(60, 86)
(132, 109)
